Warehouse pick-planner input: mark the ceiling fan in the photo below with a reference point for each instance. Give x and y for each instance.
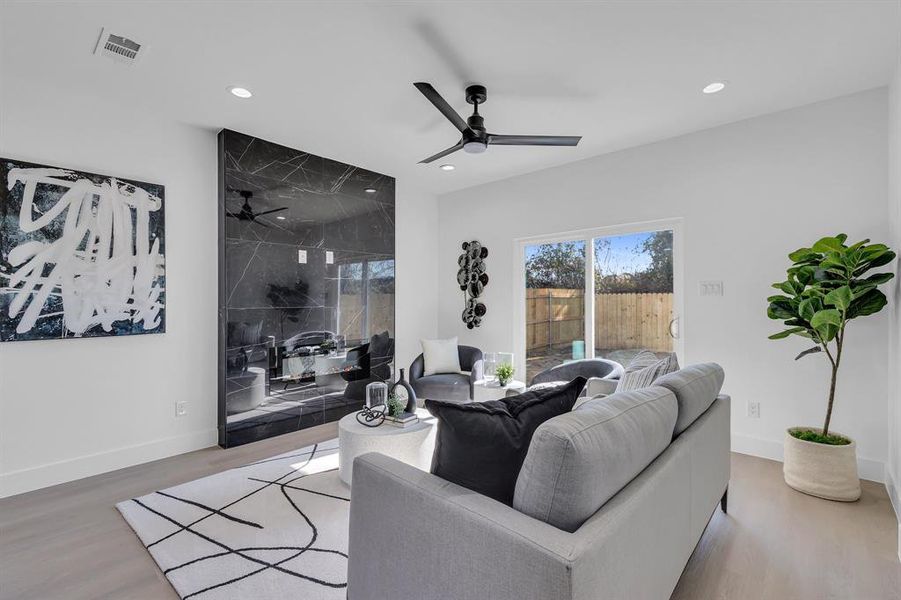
(475, 138)
(247, 213)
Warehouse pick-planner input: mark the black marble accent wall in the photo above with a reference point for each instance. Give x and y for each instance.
(306, 279)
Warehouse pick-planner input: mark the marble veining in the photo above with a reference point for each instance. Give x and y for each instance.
(321, 266)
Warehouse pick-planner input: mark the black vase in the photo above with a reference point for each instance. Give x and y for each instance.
(405, 389)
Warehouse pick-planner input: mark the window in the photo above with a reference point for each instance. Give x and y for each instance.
(604, 293)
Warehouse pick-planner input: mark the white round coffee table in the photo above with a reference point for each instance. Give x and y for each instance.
(490, 389)
(413, 444)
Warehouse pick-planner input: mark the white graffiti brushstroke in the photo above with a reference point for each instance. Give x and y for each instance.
(114, 278)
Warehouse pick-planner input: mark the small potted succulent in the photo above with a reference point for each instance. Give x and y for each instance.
(826, 287)
(504, 373)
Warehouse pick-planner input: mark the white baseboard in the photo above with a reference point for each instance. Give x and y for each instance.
(872, 470)
(26, 480)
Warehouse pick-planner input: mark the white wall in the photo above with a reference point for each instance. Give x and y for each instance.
(74, 408)
(893, 468)
(416, 292)
(749, 193)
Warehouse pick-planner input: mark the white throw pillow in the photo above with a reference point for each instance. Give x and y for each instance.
(440, 356)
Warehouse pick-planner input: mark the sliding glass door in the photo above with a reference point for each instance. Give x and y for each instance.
(555, 304)
(633, 301)
(606, 293)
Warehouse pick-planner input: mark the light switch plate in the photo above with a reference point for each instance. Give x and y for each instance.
(710, 288)
(181, 408)
(329, 257)
(302, 257)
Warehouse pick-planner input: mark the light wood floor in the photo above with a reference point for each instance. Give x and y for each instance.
(69, 542)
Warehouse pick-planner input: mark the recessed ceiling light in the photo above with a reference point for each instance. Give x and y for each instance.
(281, 218)
(370, 190)
(240, 92)
(447, 167)
(716, 86)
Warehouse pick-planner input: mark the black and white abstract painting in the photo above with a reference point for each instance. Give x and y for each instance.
(81, 254)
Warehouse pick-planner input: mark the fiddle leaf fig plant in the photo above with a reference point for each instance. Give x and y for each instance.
(827, 286)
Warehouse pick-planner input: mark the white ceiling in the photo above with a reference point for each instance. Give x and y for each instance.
(336, 78)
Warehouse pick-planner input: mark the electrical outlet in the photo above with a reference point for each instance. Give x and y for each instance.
(302, 257)
(754, 410)
(181, 408)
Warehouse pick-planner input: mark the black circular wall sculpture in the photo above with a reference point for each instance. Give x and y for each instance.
(472, 279)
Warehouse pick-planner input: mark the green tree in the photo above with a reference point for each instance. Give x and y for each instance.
(559, 266)
(657, 277)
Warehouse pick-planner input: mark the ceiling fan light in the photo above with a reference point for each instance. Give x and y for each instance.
(475, 147)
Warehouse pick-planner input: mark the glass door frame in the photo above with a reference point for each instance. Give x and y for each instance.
(677, 325)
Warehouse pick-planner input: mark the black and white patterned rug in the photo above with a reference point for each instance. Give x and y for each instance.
(276, 528)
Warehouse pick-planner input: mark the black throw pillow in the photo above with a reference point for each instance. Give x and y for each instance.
(482, 445)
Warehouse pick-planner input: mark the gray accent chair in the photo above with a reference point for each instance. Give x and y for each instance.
(453, 387)
(601, 374)
(600, 368)
(611, 501)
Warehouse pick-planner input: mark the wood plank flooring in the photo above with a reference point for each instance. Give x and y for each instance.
(69, 542)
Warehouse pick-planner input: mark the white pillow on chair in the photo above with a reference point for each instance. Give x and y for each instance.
(440, 356)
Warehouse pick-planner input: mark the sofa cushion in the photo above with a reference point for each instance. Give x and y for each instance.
(642, 371)
(481, 445)
(644, 358)
(440, 356)
(579, 460)
(695, 387)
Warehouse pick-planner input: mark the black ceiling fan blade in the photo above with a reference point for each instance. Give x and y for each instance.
(441, 104)
(443, 153)
(232, 215)
(266, 212)
(534, 140)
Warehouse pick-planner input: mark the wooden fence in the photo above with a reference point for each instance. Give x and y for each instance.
(352, 315)
(556, 317)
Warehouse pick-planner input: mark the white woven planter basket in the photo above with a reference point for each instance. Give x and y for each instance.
(821, 470)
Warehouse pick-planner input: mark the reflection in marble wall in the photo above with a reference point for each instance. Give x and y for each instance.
(306, 278)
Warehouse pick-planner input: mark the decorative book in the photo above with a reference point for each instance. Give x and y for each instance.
(404, 420)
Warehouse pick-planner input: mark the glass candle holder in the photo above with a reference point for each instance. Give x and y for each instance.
(505, 358)
(490, 359)
(376, 394)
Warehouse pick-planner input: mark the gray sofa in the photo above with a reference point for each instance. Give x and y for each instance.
(610, 502)
(454, 387)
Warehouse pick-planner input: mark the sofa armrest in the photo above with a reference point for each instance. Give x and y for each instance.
(600, 386)
(476, 374)
(415, 535)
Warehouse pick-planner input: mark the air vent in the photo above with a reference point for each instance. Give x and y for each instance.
(118, 47)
